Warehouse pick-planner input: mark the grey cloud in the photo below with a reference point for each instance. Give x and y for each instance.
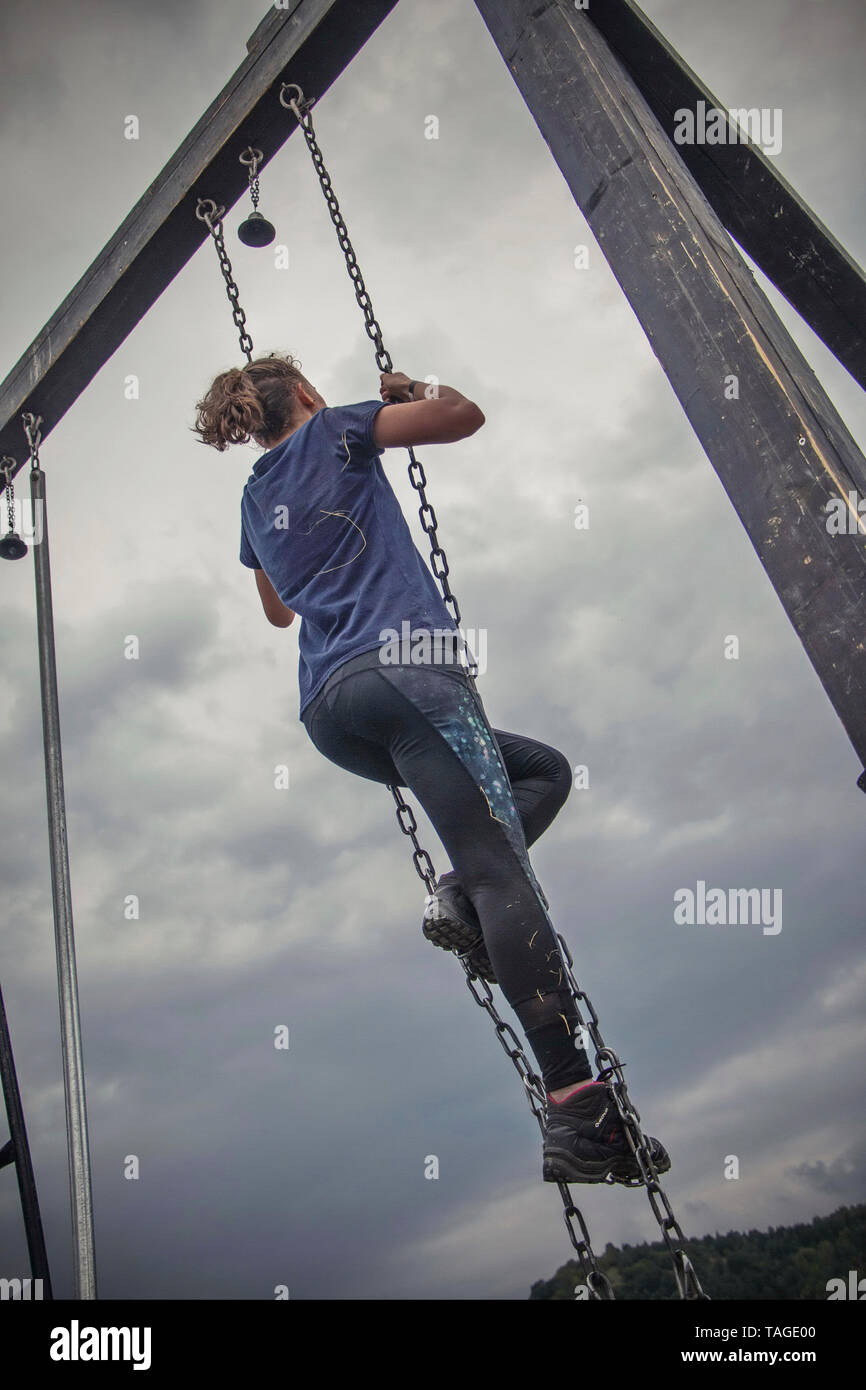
(261, 907)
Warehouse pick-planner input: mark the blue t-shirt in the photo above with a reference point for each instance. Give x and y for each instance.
(320, 517)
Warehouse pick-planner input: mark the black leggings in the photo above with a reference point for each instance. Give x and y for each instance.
(489, 795)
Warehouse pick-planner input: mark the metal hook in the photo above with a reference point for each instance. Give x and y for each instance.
(209, 212)
(34, 435)
(298, 104)
(251, 157)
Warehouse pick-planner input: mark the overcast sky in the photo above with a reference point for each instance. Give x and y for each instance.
(262, 907)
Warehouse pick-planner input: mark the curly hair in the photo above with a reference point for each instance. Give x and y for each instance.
(254, 402)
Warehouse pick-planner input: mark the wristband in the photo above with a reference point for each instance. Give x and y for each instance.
(412, 385)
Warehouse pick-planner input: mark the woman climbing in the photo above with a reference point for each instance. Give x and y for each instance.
(324, 533)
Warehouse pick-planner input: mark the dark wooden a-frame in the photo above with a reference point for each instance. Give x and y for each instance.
(604, 88)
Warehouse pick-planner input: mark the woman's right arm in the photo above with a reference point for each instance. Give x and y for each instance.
(276, 611)
(441, 419)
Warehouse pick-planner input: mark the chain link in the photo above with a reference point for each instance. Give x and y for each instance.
(608, 1063)
(34, 436)
(7, 464)
(408, 824)
(252, 158)
(301, 109)
(211, 214)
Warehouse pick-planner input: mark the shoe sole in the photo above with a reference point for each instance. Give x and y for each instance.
(454, 936)
(451, 935)
(562, 1166)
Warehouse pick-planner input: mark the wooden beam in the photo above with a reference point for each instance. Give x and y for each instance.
(780, 449)
(309, 42)
(759, 208)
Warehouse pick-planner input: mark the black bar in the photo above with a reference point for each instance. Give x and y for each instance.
(310, 43)
(23, 1161)
(706, 319)
(212, 1340)
(756, 204)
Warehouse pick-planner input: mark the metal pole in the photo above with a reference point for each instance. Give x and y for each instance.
(67, 983)
(23, 1162)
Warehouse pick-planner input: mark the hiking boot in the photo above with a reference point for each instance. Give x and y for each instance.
(450, 921)
(585, 1140)
(479, 963)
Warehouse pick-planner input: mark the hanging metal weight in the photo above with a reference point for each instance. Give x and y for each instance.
(11, 546)
(256, 230)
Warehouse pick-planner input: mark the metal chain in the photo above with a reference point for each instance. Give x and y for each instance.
(438, 561)
(34, 436)
(607, 1062)
(211, 214)
(252, 158)
(597, 1282)
(7, 463)
(408, 824)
